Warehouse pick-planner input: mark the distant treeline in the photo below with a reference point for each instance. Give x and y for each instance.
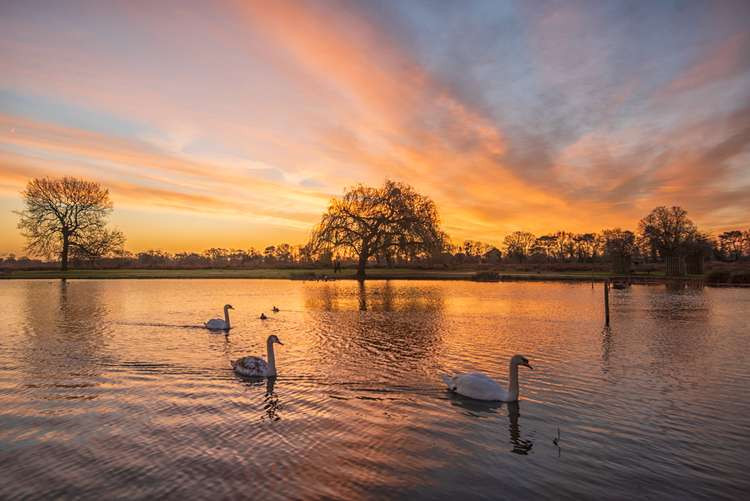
(560, 247)
(390, 225)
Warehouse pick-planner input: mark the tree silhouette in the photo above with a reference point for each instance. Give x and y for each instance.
(519, 244)
(731, 243)
(67, 214)
(368, 221)
(666, 231)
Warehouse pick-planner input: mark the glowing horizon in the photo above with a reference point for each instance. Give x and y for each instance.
(232, 124)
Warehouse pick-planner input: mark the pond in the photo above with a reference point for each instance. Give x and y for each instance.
(111, 388)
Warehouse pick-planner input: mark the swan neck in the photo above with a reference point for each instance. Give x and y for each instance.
(513, 382)
(271, 359)
(226, 316)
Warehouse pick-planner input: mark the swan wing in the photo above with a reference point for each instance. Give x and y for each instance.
(250, 366)
(216, 323)
(479, 386)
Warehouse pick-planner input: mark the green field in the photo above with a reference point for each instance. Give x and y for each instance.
(298, 274)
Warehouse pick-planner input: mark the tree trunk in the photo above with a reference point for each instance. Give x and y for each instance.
(363, 256)
(64, 253)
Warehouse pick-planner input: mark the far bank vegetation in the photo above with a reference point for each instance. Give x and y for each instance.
(391, 226)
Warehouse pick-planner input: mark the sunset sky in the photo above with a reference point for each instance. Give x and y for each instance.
(232, 124)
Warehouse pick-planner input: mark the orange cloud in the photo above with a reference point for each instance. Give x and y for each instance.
(265, 117)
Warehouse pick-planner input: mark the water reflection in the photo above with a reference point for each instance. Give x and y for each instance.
(359, 388)
(377, 327)
(480, 409)
(271, 404)
(520, 445)
(606, 347)
(67, 338)
(220, 343)
(372, 296)
(684, 285)
(679, 320)
(363, 296)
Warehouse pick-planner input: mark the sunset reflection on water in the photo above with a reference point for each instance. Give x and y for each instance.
(113, 387)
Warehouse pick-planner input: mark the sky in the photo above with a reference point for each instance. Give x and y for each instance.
(233, 123)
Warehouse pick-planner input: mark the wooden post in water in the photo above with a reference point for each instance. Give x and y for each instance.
(606, 302)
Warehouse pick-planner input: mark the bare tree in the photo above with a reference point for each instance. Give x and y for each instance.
(666, 231)
(546, 245)
(731, 243)
(619, 242)
(586, 246)
(67, 214)
(519, 244)
(99, 243)
(370, 221)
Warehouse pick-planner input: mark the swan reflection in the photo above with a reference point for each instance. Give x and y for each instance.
(479, 408)
(271, 404)
(520, 445)
(271, 401)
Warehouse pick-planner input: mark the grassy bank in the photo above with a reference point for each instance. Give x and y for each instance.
(296, 274)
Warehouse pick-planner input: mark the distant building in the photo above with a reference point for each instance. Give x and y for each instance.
(675, 266)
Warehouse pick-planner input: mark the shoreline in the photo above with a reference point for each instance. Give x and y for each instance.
(328, 275)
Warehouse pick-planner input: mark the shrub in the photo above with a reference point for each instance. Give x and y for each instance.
(486, 276)
(718, 277)
(304, 275)
(740, 277)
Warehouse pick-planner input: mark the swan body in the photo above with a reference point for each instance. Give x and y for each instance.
(255, 366)
(217, 324)
(480, 386)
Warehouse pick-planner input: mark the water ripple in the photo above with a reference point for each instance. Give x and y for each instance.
(99, 399)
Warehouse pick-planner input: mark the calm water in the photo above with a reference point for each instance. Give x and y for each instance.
(108, 390)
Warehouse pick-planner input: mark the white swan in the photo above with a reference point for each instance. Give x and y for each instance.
(481, 387)
(216, 324)
(256, 366)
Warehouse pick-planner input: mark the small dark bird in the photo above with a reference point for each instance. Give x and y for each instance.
(263, 316)
(275, 309)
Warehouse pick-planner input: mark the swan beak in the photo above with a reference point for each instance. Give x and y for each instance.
(528, 365)
(279, 342)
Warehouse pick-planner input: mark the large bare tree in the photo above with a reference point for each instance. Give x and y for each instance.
(667, 231)
(68, 216)
(371, 221)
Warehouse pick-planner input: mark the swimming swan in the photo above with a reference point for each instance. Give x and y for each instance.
(217, 324)
(256, 366)
(481, 387)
